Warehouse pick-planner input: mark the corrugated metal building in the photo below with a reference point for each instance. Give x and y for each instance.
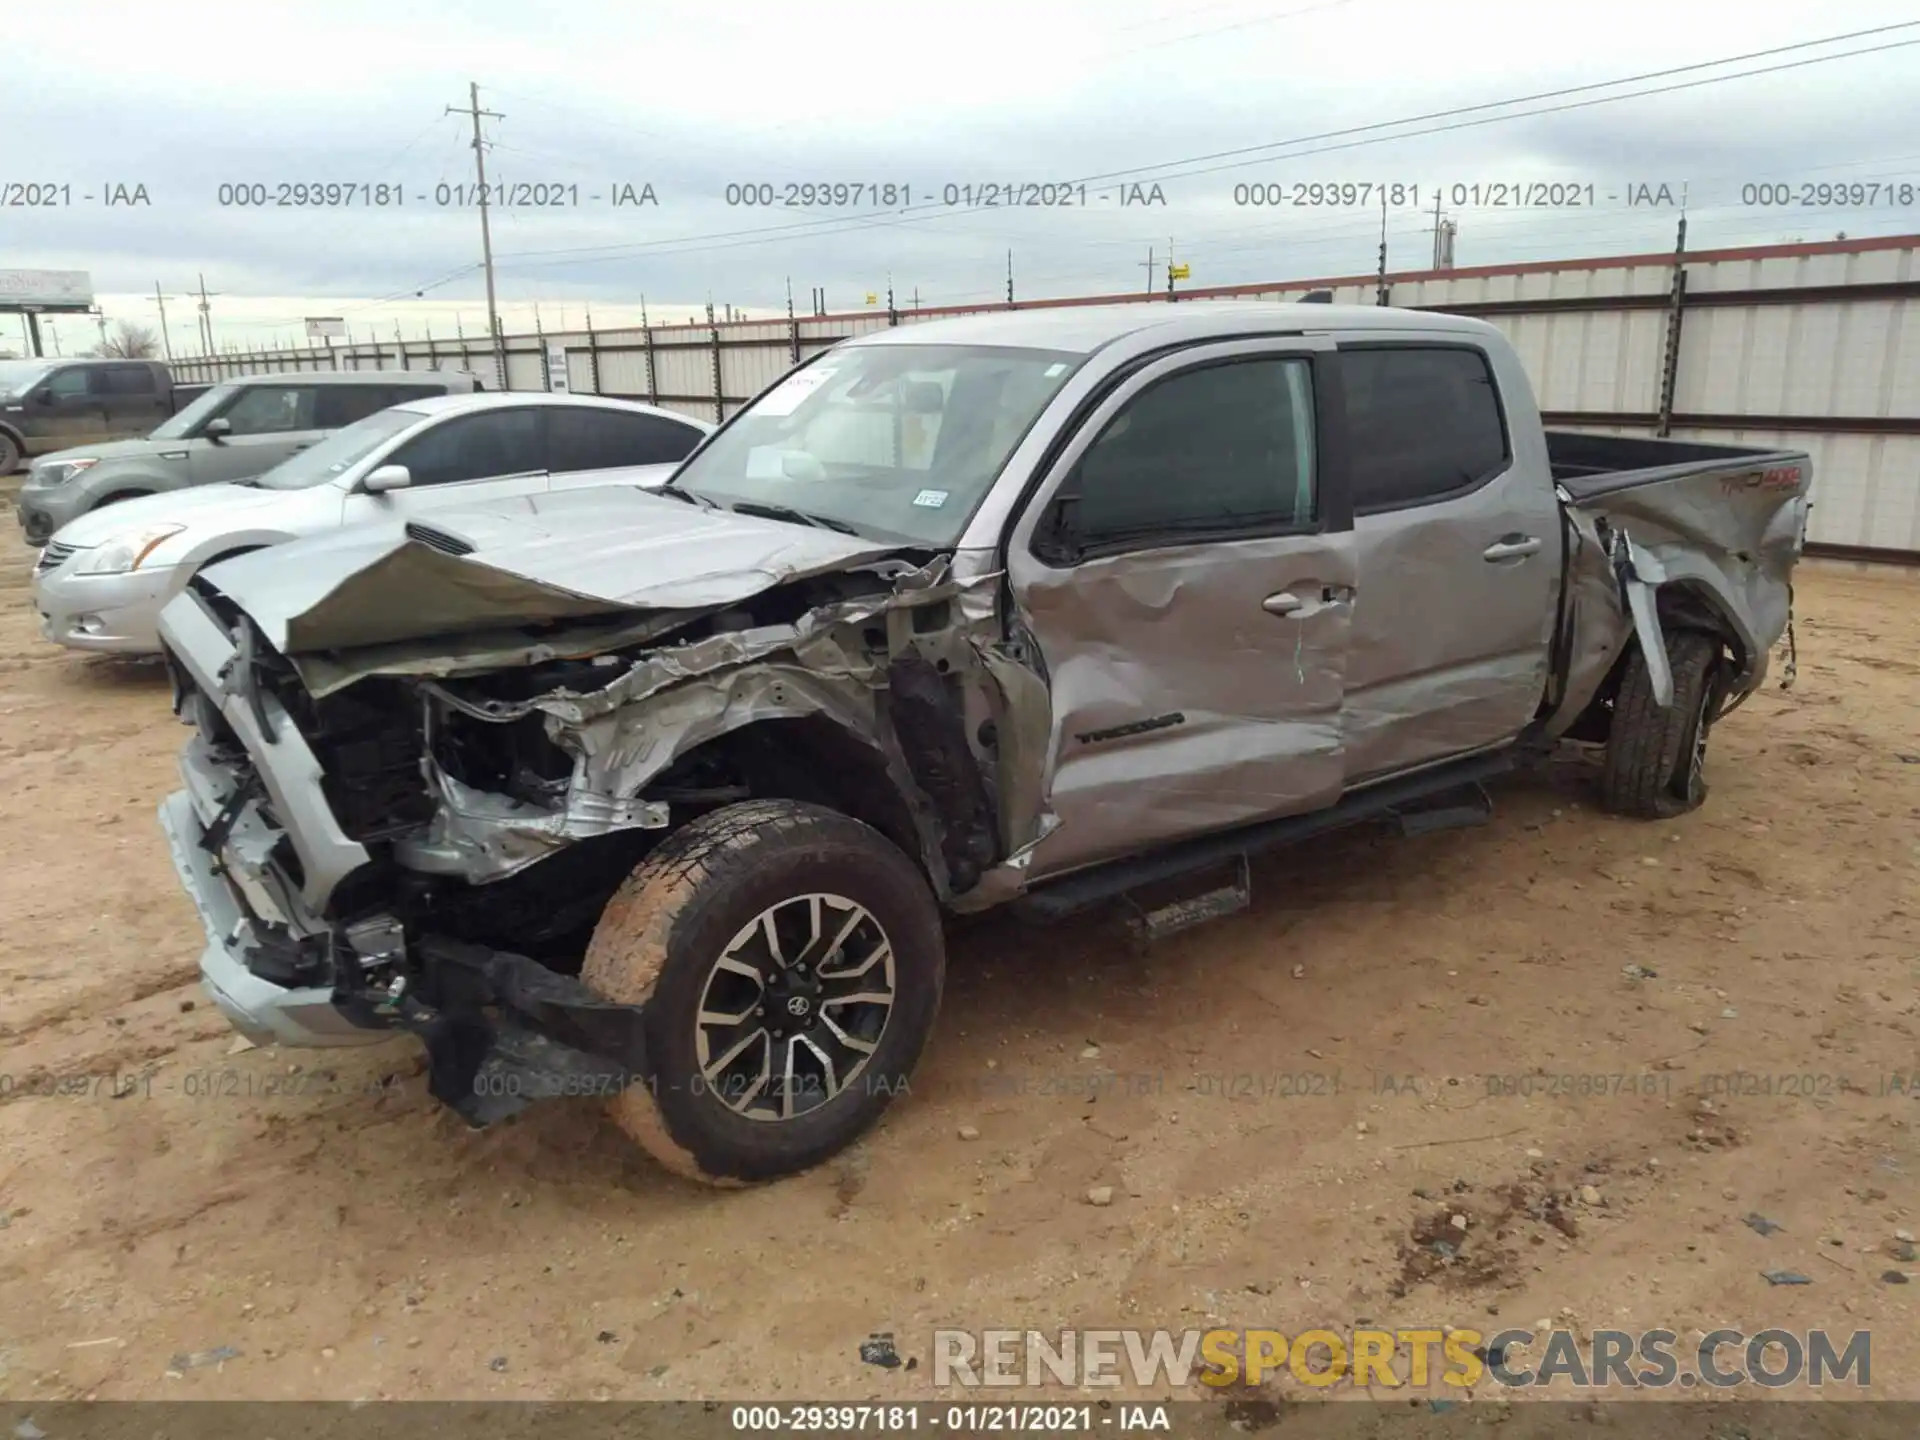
(1815, 347)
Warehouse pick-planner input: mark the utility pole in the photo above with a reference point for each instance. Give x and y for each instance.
(1443, 233)
(1009, 277)
(166, 335)
(53, 335)
(1382, 296)
(100, 319)
(1676, 315)
(1169, 269)
(206, 319)
(486, 228)
(1149, 272)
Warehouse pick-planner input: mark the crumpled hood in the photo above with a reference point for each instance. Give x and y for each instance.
(177, 507)
(533, 559)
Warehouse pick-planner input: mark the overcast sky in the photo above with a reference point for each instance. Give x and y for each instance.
(185, 97)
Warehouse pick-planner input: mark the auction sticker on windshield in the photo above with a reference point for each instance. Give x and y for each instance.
(785, 397)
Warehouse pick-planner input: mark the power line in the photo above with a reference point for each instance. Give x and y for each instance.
(919, 213)
(1523, 100)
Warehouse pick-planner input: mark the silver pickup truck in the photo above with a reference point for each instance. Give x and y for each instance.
(660, 796)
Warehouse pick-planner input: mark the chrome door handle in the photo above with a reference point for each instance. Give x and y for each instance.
(1511, 547)
(1282, 604)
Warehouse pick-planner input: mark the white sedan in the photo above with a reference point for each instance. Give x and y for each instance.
(101, 581)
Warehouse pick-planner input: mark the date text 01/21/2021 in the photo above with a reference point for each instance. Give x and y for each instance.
(1462, 195)
(391, 195)
(970, 194)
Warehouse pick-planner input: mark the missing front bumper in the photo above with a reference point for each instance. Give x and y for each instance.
(503, 1031)
(264, 1012)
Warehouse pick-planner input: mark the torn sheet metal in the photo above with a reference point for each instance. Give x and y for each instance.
(618, 549)
(650, 714)
(486, 836)
(1730, 537)
(1640, 576)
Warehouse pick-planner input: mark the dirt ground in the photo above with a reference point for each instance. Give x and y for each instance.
(1290, 1105)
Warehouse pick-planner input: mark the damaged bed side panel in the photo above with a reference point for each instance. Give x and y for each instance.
(1729, 536)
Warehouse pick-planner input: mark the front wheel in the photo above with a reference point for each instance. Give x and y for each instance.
(790, 961)
(1655, 764)
(9, 455)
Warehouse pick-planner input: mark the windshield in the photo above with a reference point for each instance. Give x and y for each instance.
(330, 459)
(178, 426)
(18, 376)
(894, 441)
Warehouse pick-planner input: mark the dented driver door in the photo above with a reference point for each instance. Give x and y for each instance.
(1185, 577)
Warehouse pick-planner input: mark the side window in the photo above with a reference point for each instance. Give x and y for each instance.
(474, 447)
(590, 439)
(66, 384)
(1424, 424)
(128, 380)
(400, 394)
(271, 410)
(1221, 448)
(338, 405)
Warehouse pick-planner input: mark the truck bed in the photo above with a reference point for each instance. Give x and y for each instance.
(1592, 465)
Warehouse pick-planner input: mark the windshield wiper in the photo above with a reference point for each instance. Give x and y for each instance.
(788, 512)
(687, 495)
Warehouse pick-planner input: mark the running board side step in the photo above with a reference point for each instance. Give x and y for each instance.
(1449, 810)
(1396, 800)
(1151, 926)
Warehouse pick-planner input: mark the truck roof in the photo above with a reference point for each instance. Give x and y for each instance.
(1084, 329)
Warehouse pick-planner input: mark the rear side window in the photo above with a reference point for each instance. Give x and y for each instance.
(593, 439)
(128, 380)
(343, 404)
(1424, 423)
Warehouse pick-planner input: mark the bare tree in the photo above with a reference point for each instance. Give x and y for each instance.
(130, 342)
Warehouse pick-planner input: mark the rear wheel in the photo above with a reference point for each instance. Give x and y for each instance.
(1655, 764)
(790, 960)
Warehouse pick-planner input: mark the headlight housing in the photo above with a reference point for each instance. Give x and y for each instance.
(61, 471)
(126, 551)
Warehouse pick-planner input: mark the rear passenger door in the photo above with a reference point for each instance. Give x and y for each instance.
(586, 443)
(1185, 573)
(131, 397)
(1458, 551)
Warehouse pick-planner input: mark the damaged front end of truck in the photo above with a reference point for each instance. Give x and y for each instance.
(384, 832)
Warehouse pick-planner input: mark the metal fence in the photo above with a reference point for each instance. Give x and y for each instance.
(1813, 347)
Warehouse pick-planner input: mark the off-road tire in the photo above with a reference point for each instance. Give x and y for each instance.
(10, 455)
(656, 944)
(1652, 767)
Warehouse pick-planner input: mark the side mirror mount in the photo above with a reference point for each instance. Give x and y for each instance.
(43, 396)
(382, 478)
(217, 429)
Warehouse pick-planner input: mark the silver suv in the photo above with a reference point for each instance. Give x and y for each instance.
(236, 430)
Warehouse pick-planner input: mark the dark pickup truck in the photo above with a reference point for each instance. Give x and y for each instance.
(50, 405)
(661, 797)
